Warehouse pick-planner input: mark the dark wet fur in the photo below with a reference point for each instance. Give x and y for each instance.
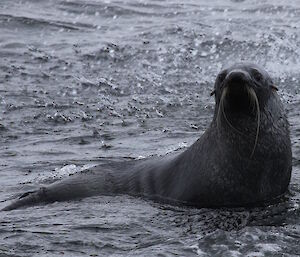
(242, 159)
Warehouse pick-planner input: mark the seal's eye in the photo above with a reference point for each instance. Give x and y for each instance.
(222, 76)
(257, 75)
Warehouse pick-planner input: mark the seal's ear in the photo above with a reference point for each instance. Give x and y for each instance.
(213, 93)
(274, 88)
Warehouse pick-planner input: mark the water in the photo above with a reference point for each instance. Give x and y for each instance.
(87, 82)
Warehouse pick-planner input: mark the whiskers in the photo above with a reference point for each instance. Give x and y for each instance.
(254, 104)
(221, 110)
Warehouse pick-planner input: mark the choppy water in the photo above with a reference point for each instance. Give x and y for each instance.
(85, 82)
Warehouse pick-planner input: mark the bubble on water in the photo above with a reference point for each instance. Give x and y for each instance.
(160, 114)
(194, 52)
(161, 59)
(74, 92)
(105, 146)
(58, 117)
(213, 49)
(193, 126)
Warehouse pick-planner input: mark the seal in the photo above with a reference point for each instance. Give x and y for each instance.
(243, 158)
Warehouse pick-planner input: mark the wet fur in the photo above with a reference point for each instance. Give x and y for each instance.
(254, 102)
(222, 168)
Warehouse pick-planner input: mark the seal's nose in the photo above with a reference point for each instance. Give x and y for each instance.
(236, 77)
(237, 83)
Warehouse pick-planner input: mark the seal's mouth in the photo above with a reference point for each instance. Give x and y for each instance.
(238, 96)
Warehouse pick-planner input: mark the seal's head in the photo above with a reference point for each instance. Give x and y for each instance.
(241, 93)
(236, 83)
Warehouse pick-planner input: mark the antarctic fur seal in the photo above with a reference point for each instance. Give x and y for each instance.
(243, 158)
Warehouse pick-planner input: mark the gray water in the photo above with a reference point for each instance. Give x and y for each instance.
(88, 82)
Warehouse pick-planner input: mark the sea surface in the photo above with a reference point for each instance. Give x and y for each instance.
(87, 82)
